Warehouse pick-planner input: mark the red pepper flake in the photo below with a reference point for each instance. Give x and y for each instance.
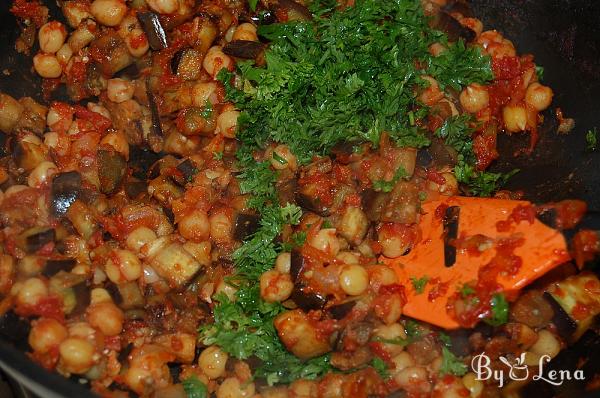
(435, 176)
(438, 290)
(30, 10)
(48, 307)
(440, 211)
(580, 311)
(506, 68)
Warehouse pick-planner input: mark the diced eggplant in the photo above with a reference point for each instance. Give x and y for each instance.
(134, 188)
(28, 155)
(112, 168)
(565, 325)
(140, 161)
(156, 127)
(374, 203)
(297, 264)
(35, 238)
(172, 262)
(188, 169)
(246, 224)
(459, 340)
(449, 25)
(65, 190)
(53, 267)
(532, 309)
(577, 295)
(111, 53)
(340, 311)
(312, 204)
(82, 298)
(187, 64)
(294, 11)
(157, 38)
(244, 49)
(307, 301)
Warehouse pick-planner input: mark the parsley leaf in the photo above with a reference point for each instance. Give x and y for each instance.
(466, 291)
(461, 65)
(451, 364)
(194, 388)
(591, 139)
(419, 284)
(499, 314)
(252, 4)
(381, 367)
(481, 183)
(388, 186)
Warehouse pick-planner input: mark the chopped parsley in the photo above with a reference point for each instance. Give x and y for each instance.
(381, 367)
(591, 139)
(419, 284)
(466, 291)
(499, 307)
(451, 364)
(218, 155)
(344, 76)
(194, 388)
(481, 183)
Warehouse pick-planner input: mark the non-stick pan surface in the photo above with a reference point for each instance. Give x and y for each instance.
(564, 36)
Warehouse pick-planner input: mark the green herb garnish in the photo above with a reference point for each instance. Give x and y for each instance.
(194, 388)
(499, 307)
(419, 284)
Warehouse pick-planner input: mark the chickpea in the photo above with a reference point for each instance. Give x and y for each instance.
(59, 117)
(139, 237)
(52, 36)
(227, 123)
(402, 361)
(106, 317)
(108, 12)
(220, 227)
(225, 288)
(215, 60)
(448, 188)
(395, 239)
(76, 355)
(232, 388)
(283, 262)
(194, 226)
(32, 291)
(117, 140)
(245, 31)
(411, 375)
(137, 43)
(282, 158)
(123, 266)
(432, 93)
(99, 109)
(381, 275)
(46, 334)
(303, 388)
(515, 118)
(41, 174)
(75, 12)
(203, 93)
(10, 112)
(474, 98)
(119, 90)
(538, 96)
(275, 286)
(474, 24)
(163, 6)
(325, 240)
(436, 49)
(7, 271)
(546, 344)
(353, 225)
(47, 66)
(82, 36)
(347, 257)
(472, 384)
(354, 279)
(212, 361)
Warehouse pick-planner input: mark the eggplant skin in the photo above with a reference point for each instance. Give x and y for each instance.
(66, 188)
(243, 49)
(245, 225)
(112, 168)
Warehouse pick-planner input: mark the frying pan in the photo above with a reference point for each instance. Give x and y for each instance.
(564, 36)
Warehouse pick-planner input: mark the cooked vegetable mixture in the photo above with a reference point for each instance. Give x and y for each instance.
(219, 198)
